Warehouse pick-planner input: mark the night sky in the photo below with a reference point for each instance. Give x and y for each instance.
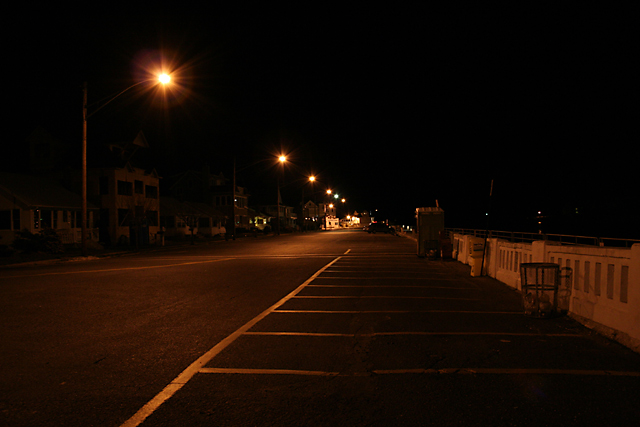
(392, 107)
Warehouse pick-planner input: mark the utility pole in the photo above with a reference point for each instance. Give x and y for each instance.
(486, 233)
(233, 202)
(83, 221)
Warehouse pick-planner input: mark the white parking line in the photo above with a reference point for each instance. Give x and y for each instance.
(519, 313)
(196, 366)
(387, 278)
(386, 334)
(391, 287)
(378, 296)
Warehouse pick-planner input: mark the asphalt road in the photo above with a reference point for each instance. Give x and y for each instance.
(316, 329)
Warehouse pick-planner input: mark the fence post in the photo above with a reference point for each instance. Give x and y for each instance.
(539, 250)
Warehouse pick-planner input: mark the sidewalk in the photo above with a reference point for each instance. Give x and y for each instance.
(75, 254)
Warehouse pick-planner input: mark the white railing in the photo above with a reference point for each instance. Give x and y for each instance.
(601, 284)
(564, 239)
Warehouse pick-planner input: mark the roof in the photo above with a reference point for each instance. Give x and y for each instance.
(30, 192)
(172, 206)
(206, 210)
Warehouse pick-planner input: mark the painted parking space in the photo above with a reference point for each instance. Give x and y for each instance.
(391, 316)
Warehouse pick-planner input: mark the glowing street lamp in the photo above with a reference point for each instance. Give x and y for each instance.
(163, 79)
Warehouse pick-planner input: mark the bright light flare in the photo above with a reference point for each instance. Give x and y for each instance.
(282, 159)
(312, 178)
(164, 78)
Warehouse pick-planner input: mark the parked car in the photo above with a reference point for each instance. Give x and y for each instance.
(379, 227)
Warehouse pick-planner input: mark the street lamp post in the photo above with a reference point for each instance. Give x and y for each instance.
(281, 159)
(302, 217)
(164, 79)
(326, 222)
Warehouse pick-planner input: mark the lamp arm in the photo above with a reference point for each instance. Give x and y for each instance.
(120, 93)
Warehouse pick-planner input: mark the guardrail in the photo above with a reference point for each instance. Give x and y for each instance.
(563, 239)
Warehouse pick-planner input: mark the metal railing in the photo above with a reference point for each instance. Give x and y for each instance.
(563, 239)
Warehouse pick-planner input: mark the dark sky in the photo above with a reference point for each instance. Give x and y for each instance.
(393, 107)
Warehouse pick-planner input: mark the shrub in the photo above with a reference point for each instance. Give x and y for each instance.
(47, 240)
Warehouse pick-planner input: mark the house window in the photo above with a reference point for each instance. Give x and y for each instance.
(168, 221)
(45, 218)
(151, 191)
(139, 187)
(16, 219)
(76, 219)
(5, 220)
(125, 188)
(139, 214)
(152, 217)
(123, 217)
(104, 185)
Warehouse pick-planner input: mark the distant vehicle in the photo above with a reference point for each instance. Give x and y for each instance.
(379, 227)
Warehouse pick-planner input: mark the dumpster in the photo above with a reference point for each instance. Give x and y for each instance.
(540, 282)
(476, 252)
(429, 224)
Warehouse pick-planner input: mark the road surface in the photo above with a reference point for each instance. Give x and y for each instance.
(314, 329)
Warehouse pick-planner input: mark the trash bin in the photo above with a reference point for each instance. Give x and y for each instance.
(540, 282)
(476, 252)
(429, 224)
(446, 249)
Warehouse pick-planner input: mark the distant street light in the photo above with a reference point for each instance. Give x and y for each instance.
(164, 79)
(282, 159)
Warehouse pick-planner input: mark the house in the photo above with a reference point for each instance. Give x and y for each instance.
(194, 185)
(180, 219)
(311, 211)
(125, 192)
(287, 216)
(222, 197)
(129, 203)
(213, 190)
(259, 220)
(34, 203)
(211, 221)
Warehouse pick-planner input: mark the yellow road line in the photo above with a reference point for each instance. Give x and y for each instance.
(61, 273)
(443, 371)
